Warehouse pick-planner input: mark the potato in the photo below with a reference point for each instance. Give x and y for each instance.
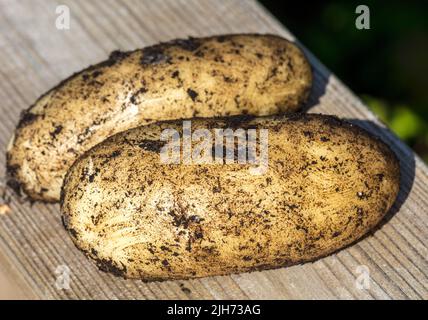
(206, 77)
(326, 183)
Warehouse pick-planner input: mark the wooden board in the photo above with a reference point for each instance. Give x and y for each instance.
(35, 56)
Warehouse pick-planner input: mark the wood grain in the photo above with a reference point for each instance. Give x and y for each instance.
(35, 56)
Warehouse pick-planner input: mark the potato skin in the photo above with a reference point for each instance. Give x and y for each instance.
(328, 183)
(204, 77)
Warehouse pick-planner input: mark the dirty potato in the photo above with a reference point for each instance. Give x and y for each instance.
(325, 184)
(205, 77)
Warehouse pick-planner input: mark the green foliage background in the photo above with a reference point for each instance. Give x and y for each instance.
(386, 66)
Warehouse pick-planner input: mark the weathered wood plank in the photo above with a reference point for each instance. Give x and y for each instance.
(35, 56)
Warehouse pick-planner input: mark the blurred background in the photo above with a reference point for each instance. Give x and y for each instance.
(386, 66)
